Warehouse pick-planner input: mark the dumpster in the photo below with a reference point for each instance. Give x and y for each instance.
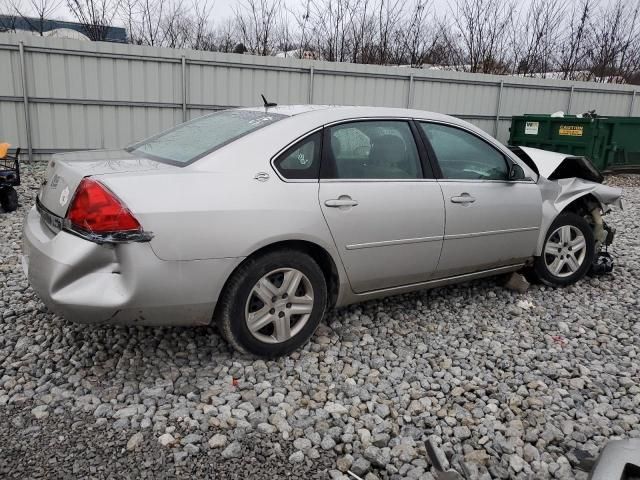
(610, 143)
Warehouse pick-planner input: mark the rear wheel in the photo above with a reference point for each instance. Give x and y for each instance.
(568, 251)
(273, 303)
(8, 199)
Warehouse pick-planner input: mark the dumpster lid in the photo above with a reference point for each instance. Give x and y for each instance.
(554, 165)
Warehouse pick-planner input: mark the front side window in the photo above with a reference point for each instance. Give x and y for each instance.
(194, 139)
(463, 156)
(302, 160)
(379, 149)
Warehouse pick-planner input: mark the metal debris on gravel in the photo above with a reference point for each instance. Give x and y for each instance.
(501, 384)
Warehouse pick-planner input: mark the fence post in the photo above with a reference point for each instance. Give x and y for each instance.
(184, 88)
(633, 101)
(410, 94)
(310, 97)
(498, 107)
(570, 100)
(25, 97)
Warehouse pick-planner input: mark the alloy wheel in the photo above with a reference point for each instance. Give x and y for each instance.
(279, 305)
(565, 251)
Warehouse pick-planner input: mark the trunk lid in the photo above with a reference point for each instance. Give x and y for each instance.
(66, 170)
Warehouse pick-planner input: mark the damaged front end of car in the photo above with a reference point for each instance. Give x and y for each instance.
(572, 183)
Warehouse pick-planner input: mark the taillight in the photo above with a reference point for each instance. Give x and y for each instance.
(99, 214)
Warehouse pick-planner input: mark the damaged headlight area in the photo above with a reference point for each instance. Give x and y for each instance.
(570, 183)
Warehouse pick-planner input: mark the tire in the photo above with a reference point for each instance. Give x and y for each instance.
(8, 199)
(563, 260)
(245, 300)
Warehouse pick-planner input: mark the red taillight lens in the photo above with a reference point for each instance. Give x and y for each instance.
(95, 209)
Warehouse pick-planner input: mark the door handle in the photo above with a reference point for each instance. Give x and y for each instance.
(341, 202)
(463, 198)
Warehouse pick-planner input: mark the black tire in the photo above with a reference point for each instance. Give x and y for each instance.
(8, 199)
(541, 269)
(230, 312)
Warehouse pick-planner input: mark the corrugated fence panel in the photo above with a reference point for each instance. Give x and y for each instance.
(84, 95)
(518, 100)
(602, 103)
(359, 90)
(456, 98)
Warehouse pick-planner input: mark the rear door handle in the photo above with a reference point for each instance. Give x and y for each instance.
(463, 198)
(341, 202)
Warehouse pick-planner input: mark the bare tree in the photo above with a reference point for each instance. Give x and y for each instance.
(226, 38)
(420, 34)
(152, 15)
(615, 33)
(479, 35)
(176, 26)
(574, 45)
(597, 41)
(202, 34)
(35, 12)
(256, 22)
(535, 37)
(389, 13)
(96, 16)
(331, 30)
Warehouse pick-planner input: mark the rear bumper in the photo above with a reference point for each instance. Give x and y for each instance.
(124, 283)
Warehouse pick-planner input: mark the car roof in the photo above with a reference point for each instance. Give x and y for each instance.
(344, 112)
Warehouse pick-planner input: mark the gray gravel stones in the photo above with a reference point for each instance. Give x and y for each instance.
(296, 457)
(234, 450)
(504, 385)
(218, 441)
(360, 466)
(166, 440)
(135, 441)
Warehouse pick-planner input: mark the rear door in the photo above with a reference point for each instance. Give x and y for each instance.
(386, 218)
(490, 220)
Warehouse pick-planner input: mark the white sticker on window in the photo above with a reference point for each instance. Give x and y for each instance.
(531, 128)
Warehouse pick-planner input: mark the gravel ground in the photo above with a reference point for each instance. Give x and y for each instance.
(500, 384)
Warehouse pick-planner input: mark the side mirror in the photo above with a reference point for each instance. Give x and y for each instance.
(516, 172)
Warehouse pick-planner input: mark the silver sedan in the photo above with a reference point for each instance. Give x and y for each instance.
(261, 219)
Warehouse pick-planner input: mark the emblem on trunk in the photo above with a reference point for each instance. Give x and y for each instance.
(64, 196)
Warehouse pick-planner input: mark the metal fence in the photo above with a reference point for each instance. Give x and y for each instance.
(59, 94)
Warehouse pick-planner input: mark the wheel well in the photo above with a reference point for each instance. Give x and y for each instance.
(583, 205)
(315, 251)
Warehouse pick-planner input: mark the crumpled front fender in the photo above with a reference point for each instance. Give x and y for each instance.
(558, 194)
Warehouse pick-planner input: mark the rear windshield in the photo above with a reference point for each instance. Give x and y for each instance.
(196, 138)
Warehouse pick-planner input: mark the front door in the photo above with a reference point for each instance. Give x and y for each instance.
(490, 220)
(386, 219)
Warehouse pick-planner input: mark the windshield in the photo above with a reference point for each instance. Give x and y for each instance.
(192, 140)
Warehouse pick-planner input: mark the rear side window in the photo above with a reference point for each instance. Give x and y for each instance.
(192, 140)
(302, 160)
(380, 149)
(463, 156)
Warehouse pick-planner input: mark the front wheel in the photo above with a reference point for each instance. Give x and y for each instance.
(273, 303)
(568, 251)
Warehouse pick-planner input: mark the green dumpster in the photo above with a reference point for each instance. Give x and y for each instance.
(611, 143)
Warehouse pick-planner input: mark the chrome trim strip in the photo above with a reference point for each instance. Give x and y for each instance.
(481, 181)
(385, 243)
(490, 232)
(378, 180)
